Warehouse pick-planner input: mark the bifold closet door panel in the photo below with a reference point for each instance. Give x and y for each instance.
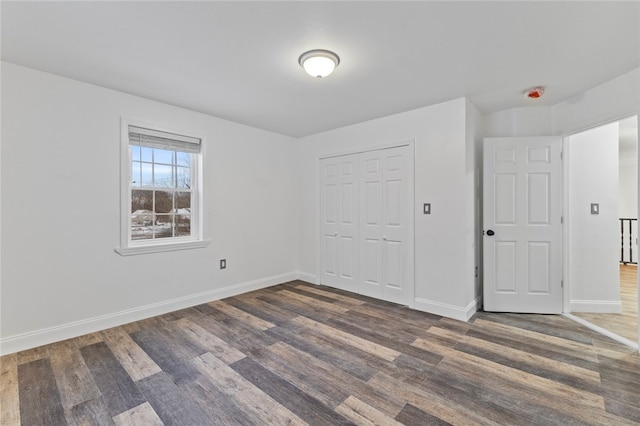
(339, 216)
(384, 224)
(365, 223)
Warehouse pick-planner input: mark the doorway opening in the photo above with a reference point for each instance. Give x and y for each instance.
(602, 208)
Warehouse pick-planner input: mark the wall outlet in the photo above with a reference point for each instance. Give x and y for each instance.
(223, 263)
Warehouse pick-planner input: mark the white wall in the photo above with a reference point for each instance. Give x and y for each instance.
(628, 179)
(519, 122)
(628, 186)
(610, 101)
(444, 177)
(61, 212)
(594, 240)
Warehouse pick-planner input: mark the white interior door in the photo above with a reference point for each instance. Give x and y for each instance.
(384, 225)
(339, 188)
(523, 225)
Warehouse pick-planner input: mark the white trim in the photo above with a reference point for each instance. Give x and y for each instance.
(406, 142)
(603, 331)
(566, 226)
(318, 221)
(411, 245)
(159, 248)
(57, 333)
(451, 311)
(197, 240)
(596, 306)
(163, 135)
(125, 171)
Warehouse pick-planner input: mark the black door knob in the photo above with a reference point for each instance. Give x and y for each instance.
(490, 232)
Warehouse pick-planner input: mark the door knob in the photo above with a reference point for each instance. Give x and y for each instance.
(490, 233)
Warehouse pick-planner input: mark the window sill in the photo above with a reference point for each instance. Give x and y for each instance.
(159, 248)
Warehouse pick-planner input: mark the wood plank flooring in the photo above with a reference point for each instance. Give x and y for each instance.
(624, 324)
(299, 354)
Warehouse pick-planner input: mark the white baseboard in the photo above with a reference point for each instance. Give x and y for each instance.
(450, 311)
(596, 306)
(48, 335)
(603, 331)
(309, 278)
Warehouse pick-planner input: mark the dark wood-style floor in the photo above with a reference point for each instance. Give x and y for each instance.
(302, 354)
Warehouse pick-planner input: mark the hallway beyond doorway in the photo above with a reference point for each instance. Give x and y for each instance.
(624, 324)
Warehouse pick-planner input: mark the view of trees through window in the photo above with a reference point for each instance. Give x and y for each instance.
(160, 193)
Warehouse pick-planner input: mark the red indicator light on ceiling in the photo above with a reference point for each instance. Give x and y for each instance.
(535, 93)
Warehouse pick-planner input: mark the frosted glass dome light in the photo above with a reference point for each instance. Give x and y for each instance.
(319, 63)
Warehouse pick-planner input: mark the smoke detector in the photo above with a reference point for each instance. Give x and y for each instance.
(534, 93)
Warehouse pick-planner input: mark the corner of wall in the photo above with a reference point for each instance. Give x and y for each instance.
(460, 313)
(308, 278)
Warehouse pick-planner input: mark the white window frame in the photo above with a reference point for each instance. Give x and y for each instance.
(130, 247)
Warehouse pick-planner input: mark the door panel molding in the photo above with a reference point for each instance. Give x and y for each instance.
(523, 232)
(384, 259)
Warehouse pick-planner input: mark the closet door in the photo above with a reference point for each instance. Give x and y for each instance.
(339, 216)
(385, 224)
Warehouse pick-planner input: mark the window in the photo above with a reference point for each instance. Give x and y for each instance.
(161, 192)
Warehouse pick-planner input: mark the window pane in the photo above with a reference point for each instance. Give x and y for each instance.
(184, 159)
(183, 202)
(147, 175)
(135, 152)
(164, 226)
(141, 201)
(162, 192)
(141, 214)
(164, 201)
(139, 230)
(184, 177)
(163, 176)
(135, 174)
(162, 156)
(145, 154)
(183, 225)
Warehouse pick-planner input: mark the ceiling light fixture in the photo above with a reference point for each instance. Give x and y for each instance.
(535, 93)
(319, 63)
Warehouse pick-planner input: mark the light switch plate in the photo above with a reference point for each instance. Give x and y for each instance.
(595, 208)
(426, 208)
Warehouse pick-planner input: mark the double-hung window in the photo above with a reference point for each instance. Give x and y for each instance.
(161, 201)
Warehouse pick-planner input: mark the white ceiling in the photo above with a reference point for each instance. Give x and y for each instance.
(238, 60)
